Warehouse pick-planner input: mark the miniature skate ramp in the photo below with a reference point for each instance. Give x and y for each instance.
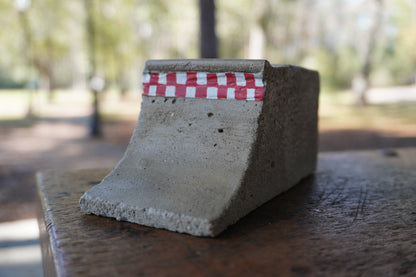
(215, 139)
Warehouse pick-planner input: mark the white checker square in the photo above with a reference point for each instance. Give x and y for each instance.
(251, 93)
(231, 93)
(162, 78)
(152, 90)
(181, 78)
(201, 78)
(240, 79)
(170, 91)
(190, 92)
(258, 82)
(221, 79)
(212, 93)
(146, 78)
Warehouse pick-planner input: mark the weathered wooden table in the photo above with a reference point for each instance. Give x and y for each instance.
(355, 217)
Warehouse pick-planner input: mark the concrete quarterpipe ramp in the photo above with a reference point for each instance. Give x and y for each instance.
(215, 139)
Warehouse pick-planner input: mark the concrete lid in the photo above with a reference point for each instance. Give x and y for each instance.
(207, 65)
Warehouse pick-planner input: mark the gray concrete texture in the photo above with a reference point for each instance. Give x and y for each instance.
(197, 166)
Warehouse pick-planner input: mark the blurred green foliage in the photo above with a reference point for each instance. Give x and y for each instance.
(330, 36)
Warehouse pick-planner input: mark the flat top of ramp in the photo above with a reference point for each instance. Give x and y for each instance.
(209, 65)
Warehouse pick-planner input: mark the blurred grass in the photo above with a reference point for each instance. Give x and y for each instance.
(336, 111)
(16, 123)
(14, 105)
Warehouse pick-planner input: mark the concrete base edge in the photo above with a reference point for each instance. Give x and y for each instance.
(149, 216)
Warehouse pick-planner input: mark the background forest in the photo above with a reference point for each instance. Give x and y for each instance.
(350, 42)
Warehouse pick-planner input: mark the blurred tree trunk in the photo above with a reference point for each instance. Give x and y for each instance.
(45, 72)
(208, 37)
(47, 75)
(361, 81)
(27, 43)
(122, 82)
(95, 120)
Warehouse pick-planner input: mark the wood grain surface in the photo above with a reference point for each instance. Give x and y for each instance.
(355, 217)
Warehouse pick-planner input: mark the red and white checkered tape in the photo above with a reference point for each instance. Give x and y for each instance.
(226, 85)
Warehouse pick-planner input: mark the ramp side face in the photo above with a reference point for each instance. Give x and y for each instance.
(285, 150)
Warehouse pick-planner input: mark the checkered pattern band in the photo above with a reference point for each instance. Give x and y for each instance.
(229, 85)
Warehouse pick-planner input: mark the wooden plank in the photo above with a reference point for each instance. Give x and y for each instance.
(355, 217)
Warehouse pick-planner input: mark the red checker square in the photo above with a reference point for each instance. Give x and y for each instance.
(231, 80)
(241, 93)
(180, 90)
(259, 94)
(201, 92)
(161, 90)
(146, 89)
(250, 83)
(191, 79)
(171, 79)
(212, 80)
(222, 92)
(154, 78)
